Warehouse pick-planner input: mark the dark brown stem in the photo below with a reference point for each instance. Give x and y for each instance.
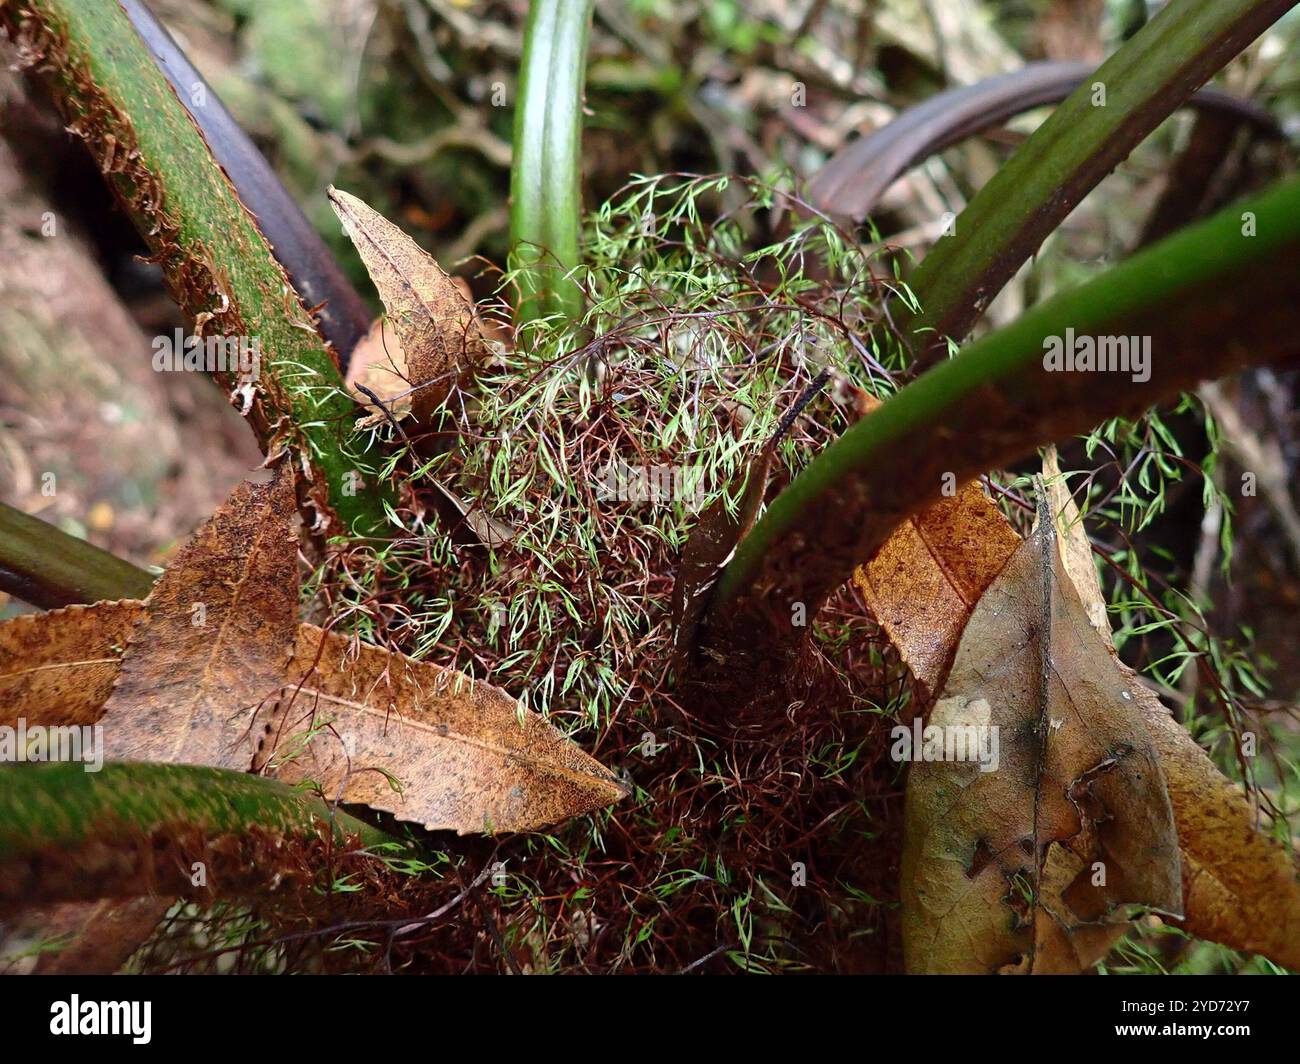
(50, 569)
(853, 180)
(343, 315)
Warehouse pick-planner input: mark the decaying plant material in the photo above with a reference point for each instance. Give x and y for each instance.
(360, 724)
(1025, 864)
(1237, 885)
(439, 342)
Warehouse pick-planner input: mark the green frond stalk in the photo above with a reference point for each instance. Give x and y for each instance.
(1082, 141)
(1212, 298)
(545, 198)
(216, 261)
(70, 834)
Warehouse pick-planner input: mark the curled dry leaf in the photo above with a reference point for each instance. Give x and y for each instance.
(215, 638)
(429, 340)
(1027, 867)
(439, 341)
(1240, 887)
(926, 578)
(378, 366)
(182, 677)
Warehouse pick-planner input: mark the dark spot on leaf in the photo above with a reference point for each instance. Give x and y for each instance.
(983, 855)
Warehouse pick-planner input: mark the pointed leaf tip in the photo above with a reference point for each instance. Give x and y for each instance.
(438, 331)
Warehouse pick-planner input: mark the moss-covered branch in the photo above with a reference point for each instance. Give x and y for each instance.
(70, 834)
(1214, 297)
(217, 263)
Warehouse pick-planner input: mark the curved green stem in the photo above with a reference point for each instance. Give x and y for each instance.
(1082, 141)
(545, 198)
(1216, 296)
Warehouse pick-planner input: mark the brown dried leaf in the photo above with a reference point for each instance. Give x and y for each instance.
(215, 639)
(1240, 888)
(378, 365)
(923, 583)
(377, 378)
(1022, 869)
(468, 756)
(59, 667)
(436, 327)
(422, 742)
(466, 753)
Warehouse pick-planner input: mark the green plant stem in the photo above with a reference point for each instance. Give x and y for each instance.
(50, 569)
(215, 259)
(60, 804)
(1082, 141)
(1209, 298)
(69, 834)
(343, 317)
(545, 198)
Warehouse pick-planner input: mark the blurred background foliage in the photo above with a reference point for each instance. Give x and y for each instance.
(409, 102)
